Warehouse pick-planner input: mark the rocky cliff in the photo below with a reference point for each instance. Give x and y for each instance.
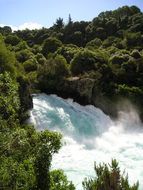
(83, 91)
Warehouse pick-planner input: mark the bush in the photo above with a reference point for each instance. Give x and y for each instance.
(96, 43)
(135, 54)
(131, 92)
(86, 60)
(108, 177)
(12, 39)
(9, 99)
(7, 59)
(52, 73)
(24, 55)
(58, 180)
(40, 58)
(50, 45)
(133, 39)
(119, 59)
(68, 51)
(30, 65)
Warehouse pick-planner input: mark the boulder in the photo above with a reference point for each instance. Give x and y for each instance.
(80, 89)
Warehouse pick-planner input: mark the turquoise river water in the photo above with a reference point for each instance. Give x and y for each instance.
(88, 136)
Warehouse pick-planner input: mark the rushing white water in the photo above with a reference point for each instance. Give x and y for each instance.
(89, 135)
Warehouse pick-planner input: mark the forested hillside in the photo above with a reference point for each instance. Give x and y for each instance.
(98, 62)
(104, 56)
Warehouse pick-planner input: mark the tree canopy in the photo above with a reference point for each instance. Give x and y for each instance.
(106, 51)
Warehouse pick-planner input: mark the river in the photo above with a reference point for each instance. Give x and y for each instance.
(88, 136)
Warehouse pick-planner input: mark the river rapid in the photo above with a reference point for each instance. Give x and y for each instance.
(88, 136)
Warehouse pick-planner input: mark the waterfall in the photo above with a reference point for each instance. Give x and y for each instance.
(88, 136)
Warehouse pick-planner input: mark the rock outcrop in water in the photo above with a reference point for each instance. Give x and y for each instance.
(80, 88)
(83, 91)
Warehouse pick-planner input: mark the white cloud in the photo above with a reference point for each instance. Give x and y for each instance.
(30, 25)
(26, 25)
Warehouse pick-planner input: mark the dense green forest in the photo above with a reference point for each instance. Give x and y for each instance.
(98, 62)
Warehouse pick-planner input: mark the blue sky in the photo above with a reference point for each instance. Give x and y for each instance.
(45, 12)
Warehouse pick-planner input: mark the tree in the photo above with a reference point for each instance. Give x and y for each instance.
(86, 60)
(59, 24)
(14, 175)
(9, 99)
(12, 39)
(30, 65)
(5, 30)
(134, 9)
(24, 55)
(108, 177)
(52, 73)
(69, 20)
(96, 43)
(68, 52)
(119, 59)
(49, 143)
(133, 39)
(50, 45)
(7, 59)
(58, 180)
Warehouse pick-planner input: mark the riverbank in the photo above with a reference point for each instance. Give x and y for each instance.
(84, 91)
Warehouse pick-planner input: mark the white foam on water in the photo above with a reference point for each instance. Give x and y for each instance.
(89, 135)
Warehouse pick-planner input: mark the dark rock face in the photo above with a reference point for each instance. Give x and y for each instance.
(83, 91)
(25, 98)
(79, 89)
(105, 104)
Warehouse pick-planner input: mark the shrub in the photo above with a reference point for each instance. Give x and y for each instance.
(58, 180)
(12, 39)
(30, 65)
(108, 177)
(86, 60)
(50, 45)
(94, 43)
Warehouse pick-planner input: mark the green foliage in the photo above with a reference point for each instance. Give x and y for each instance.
(30, 65)
(7, 59)
(24, 55)
(40, 58)
(6, 30)
(16, 176)
(134, 93)
(83, 61)
(68, 51)
(9, 99)
(52, 73)
(24, 96)
(22, 45)
(26, 159)
(135, 54)
(49, 143)
(50, 45)
(36, 49)
(59, 24)
(86, 60)
(108, 177)
(119, 59)
(108, 50)
(113, 41)
(59, 181)
(133, 39)
(96, 43)
(12, 39)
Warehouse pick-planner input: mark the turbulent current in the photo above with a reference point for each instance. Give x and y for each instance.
(88, 136)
